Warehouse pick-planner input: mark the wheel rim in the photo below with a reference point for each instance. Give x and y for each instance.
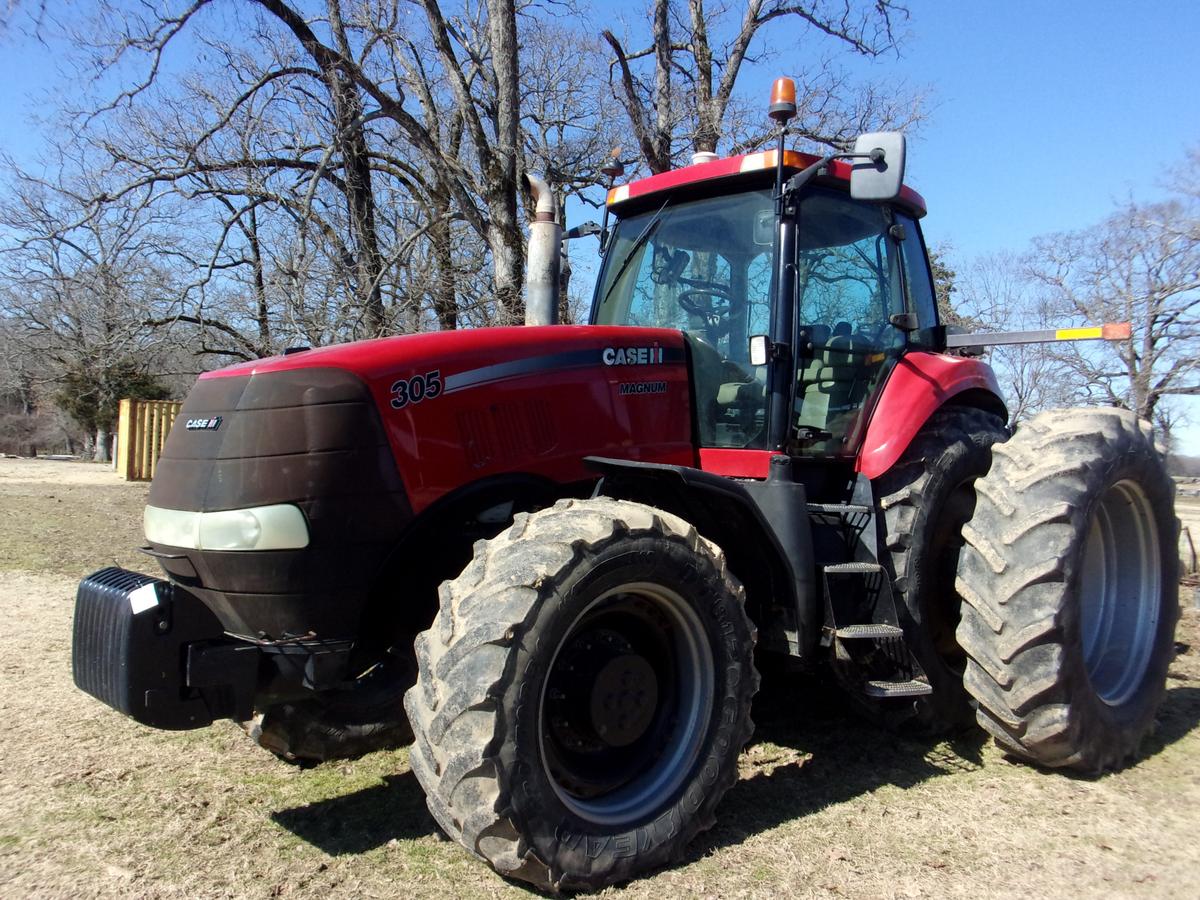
(626, 704)
(1120, 592)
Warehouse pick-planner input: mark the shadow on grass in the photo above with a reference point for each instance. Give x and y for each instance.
(1178, 715)
(834, 756)
(363, 820)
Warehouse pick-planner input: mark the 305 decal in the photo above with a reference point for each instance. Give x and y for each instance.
(406, 391)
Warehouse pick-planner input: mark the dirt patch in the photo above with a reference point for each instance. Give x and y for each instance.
(92, 804)
(57, 472)
(69, 518)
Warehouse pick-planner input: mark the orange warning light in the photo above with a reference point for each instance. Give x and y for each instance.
(783, 100)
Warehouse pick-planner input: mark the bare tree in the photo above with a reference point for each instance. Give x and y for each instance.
(433, 104)
(1142, 266)
(79, 289)
(995, 293)
(678, 85)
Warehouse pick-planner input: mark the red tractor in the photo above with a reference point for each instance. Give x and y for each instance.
(551, 556)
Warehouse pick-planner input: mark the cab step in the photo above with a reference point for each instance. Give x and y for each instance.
(838, 509)
(853, 568)
(873, 631)
(897, 689)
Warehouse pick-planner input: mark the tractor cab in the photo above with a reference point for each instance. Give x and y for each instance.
(698, 249)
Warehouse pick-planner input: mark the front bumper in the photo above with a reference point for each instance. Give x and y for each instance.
(156, 653)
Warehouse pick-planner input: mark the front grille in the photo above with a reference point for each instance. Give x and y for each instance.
(311, 437)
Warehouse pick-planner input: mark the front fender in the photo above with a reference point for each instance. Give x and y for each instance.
(919, 384)
(763, 527)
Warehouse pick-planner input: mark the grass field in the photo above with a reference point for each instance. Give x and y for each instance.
(92, 804)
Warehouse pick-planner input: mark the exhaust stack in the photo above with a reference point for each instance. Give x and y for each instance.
(542, 265)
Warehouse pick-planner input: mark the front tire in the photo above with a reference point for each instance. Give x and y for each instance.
(1070, 577)
(341, 724)
(583, 694)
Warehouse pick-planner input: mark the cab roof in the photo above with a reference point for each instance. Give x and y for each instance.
(746, 164)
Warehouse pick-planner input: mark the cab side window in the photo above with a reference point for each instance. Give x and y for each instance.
(918, 285)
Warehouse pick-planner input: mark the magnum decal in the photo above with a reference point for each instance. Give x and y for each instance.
(627, 388)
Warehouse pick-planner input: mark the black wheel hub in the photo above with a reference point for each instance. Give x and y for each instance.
(602, 694)
(624, 699)
(610, 704)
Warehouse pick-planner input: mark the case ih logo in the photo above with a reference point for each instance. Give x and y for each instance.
(204, 424)
(632, 356)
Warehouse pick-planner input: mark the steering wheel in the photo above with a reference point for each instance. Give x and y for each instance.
(716, 315)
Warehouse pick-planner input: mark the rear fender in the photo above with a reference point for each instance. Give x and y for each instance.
(762, 526)
(919, 384)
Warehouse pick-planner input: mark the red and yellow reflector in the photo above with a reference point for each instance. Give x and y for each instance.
(1116, 331)
(1111, 331)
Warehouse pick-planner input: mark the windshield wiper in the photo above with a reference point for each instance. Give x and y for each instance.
(644, 235)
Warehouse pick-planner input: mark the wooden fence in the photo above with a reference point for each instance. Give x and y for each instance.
(142, 430)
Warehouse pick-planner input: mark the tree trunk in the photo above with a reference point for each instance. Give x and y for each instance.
(445, 303)
(507, 243)
(261, 307)
(103, 439)
(505, 236)
(360, 199)
(351, 143)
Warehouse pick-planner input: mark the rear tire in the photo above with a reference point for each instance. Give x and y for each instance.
(583, 694)
(925, 499)
(1068, 647)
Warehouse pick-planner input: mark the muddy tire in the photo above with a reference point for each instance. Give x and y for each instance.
(583, 694)
(1070, 582)
(341, 724)
(924, 501)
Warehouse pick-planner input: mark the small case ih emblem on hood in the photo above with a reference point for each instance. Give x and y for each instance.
(204, 424)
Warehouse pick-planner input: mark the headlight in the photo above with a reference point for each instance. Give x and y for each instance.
(279, 527)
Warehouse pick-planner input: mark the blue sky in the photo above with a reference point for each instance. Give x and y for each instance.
(1043, 114)
(1046, 114)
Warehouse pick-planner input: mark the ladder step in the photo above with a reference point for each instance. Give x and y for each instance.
(848, 632)
(854, 568)
(897, 689)
(838, 509)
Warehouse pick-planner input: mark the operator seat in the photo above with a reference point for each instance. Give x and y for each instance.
(834, 382)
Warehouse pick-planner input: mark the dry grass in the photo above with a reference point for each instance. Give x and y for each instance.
(94, 805)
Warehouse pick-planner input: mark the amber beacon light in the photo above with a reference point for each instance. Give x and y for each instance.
(783, 100)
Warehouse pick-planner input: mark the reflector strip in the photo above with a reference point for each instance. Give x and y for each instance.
(752, 162)
(618, 194)
(1113, 331)
(1116, 331)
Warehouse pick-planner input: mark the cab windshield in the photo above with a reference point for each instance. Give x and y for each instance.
(703, 267)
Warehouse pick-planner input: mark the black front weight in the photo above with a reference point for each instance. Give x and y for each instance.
(139, 644)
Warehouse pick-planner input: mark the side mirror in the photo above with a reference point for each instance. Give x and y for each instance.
(879, 174)
(764, 227)
(760, 350)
